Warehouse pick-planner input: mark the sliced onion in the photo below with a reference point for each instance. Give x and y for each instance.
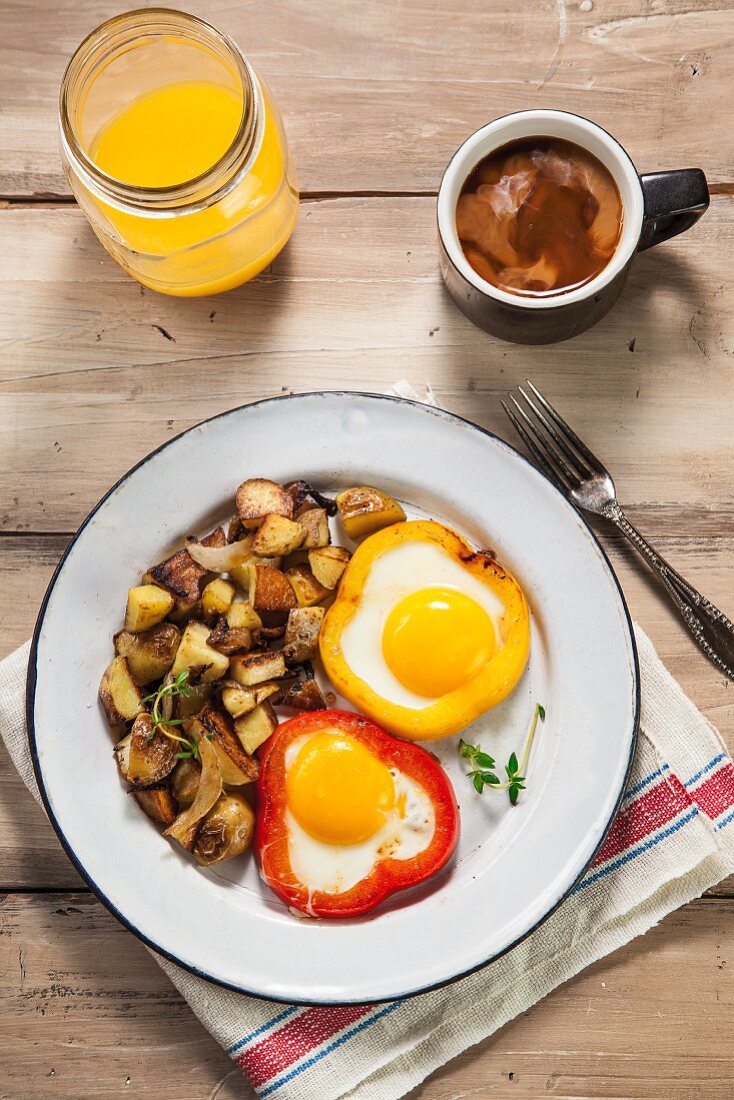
(220, 559)
(210, 788)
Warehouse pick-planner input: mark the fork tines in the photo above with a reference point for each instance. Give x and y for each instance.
(556, 448)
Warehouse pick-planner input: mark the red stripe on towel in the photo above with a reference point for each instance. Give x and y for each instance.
(644, 816)
(716, 794)
(300, 1035)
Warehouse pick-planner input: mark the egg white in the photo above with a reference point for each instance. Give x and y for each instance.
(407, 568)
(336, 868)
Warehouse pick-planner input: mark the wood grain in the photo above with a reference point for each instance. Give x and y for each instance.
(381, 100)
(90, 384)
(85, 1024)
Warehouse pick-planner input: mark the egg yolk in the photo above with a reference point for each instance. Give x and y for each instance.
(337, 790)
(436, 639)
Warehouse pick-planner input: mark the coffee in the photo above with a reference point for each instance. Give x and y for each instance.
(539, 216)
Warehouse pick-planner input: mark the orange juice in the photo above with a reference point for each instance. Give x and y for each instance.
(186, 181)
(169, 135)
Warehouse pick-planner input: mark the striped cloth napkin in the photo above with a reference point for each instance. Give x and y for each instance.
(672, 839)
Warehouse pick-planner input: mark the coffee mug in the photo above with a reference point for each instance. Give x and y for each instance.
(655, 207)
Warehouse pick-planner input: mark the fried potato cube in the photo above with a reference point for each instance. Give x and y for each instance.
(195, 652)
(145, 757)
(256, 668)
(119, 694)
(238, 700)
(315, 523)
(271, 595)
(158, 803)
(257, 498)
(147, 604)
(301, 640)
(243, 615)
(182, 576)
(298, 557)
(307, 589)
(219, 729)
(303, 695)
(217, 597)
(364, 510)
(267, 691)
(186, 706)
(276, 536)
(298, 492)
(253, 729)
(328, 563)
(230, 639)
(150, 654)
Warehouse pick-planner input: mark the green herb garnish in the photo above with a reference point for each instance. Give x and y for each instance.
(178, 686)
(483, 775)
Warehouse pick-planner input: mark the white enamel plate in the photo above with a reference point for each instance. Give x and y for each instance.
(514, 865)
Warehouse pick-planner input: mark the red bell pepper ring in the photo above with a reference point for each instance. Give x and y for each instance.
(388, 875)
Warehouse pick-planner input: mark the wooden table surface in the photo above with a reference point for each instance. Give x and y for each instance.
(95, 372)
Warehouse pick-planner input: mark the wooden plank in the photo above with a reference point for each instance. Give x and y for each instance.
(378, 96)
(90, 384)
(89, 1014)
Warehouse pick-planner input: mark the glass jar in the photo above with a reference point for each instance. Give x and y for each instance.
(130, 101)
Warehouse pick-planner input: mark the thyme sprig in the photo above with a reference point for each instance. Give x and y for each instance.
(483, 772)
(178, 686)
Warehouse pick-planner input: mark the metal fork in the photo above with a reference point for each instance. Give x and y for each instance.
(580, 476)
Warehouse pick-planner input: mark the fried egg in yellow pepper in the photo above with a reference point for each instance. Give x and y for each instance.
(425, 633)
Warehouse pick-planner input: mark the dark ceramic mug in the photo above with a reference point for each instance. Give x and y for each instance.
(656, 207)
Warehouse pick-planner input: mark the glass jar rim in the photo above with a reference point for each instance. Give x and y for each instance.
(189, 195)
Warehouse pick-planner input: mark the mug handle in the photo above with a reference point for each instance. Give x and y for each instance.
(674, 201)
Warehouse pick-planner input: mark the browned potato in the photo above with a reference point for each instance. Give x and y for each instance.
(194, 652)
(182, 576)
(144, 757)
(230, 639)
(158, 803)
(302, 634)
(298, 492)
(119, 694)
(226, 831)
(219, 730)
(267, 691)
(186, 706)
(243, 615)
(217, 597)
(306, 588)
(298, 557)
(303, 695)
(185, 781)
(271, 595)
(364, 510)
(235, 530)
(258, 498)
(328, 563)
(147, 604)
(253, 729)
(238, 700)
(151, 653)
(256, 668)
(276, 536)
(315, 523)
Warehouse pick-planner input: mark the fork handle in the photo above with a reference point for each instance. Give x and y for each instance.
(709, 627)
